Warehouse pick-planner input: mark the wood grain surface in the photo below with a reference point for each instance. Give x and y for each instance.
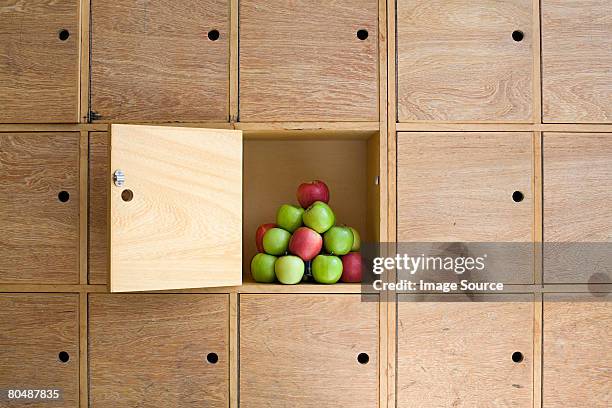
(151, 351)
(577, 210)
(39, 242)
(457, 60)
(99, 170)
(183, 227)
(273, 170)
(456, 352)
(576, 60)
(302, 61)
(34, 329)
(458, 186)
(39, 73)
(153, 60)
(301, 351)
(577, 343)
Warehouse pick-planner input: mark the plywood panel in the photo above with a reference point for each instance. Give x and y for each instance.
(302, 60)
(459, 187)
(577, 343)
(99, 170)
(34, 329)
(301, 351)
(273, 170)
(40, 234)
(153, 61)
(577, 211)
(457, 60)
(576, 60)
(151, 350)
(39, 72)
(183, 226)
(458, 352)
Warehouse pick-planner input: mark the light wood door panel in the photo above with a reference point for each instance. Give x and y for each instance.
(182, 227)
(576, 60)
(302, 60)
(154, 61)
(457, 60)
(577, 364)
(39, 71)
(302, 350)
(152, 350)
(459, 186)
(99, 170)
(458, 352)
(39, 208)
(577, 210)
(34, 329)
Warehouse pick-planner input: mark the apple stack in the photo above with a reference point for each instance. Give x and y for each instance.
(306, 238)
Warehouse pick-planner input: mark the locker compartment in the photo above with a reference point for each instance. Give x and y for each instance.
(158, 350)
(308, 60)
(163, 61)
(455, 351)
(576, 60)
(577, 211)
(39, 68)
(577, 344)
(472, 188)
(39, 208)
(308, 351)
(39, 348)
(465, 61)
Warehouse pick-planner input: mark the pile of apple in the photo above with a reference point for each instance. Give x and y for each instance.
(306, 241)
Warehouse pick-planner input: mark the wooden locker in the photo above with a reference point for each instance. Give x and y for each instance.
(308, 60)
(455, 351)
(158, 350)
(308, 351)
(576, 60)
(577, 363)
(465, 61)
(99, 170)
(39, 68)
(39, 347)
(39, 207)
(162, 61)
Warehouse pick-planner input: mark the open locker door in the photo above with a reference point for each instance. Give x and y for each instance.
(175, 208)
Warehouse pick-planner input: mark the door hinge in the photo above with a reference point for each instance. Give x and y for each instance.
(94, 116)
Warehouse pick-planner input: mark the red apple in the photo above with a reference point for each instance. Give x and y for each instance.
(305, 243)
(259, 234)
(352, 267)
(308, 193)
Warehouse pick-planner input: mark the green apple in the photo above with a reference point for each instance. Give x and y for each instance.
(289, 269)
(319, 217)
(356, 240)
(326, 269)
(262, 268)
(289, 217)
(338, 240)
(276, 241)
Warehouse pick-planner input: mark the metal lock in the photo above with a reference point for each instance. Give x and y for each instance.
(119, 177)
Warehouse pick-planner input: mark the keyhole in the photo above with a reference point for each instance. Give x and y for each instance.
(64, 34)
(63, 356)
(63, 196)
(362, 34)
(212, 358)
(127, 195)
(517, 35)
(517, 356)
(213, 35)
(517, 196)
(363, 358)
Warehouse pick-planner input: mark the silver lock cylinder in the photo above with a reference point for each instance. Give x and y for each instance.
(119, 177)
